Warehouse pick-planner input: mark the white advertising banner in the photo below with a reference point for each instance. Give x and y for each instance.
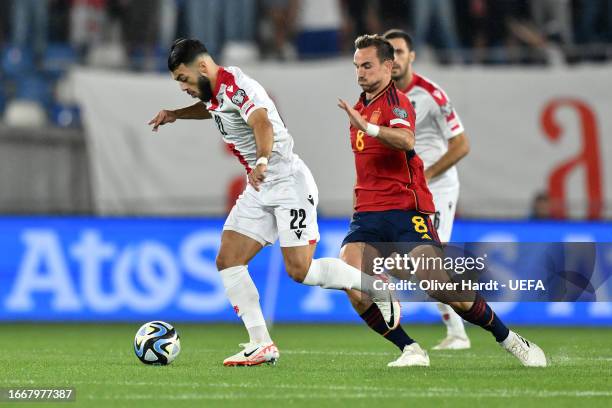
(531, 130)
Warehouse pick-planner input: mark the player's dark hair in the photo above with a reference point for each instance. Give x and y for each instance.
(395, 33)
(184, 51)
(384, 49)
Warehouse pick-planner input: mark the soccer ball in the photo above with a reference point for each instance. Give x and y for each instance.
(157, 343)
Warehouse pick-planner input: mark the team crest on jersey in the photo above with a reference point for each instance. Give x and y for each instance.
(400, 113)
(239, 97)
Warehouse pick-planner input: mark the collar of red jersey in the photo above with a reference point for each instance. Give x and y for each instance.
(385, 89)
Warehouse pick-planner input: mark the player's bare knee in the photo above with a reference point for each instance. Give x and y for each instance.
(460, 307)
(360, 301)
(221, 263)
(354, 298)
(225, 261)
(297, 269)
(298, 274)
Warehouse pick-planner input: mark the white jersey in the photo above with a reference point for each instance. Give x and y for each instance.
(436, 123)
(235, 98)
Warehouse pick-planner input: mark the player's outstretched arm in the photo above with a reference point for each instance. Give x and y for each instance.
(396, 138)
(196, 111)
(264, 140)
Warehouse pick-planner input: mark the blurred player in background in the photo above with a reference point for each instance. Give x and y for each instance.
(440, 142)
(279, 201)
(393, 204)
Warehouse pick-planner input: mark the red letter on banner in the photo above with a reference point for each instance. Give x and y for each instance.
(588, 157)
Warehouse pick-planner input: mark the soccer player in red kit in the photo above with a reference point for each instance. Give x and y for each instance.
(441, 143)
(393, 202)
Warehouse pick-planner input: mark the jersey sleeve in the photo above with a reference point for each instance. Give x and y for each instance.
(400, 113)
(245, 95)
(446, 115)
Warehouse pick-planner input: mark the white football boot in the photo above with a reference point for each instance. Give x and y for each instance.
(390, 308)
(254, 354)
(454, 343)
(528, 353)
(413, 355)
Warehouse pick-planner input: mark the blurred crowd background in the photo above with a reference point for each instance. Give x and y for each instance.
(40, 39)
(460, 31)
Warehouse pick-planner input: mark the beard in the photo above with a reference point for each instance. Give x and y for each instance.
(205, 88)
(369, 88)
(401, 73)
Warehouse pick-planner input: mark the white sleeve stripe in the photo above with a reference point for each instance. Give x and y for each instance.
(247, 105)
(399, 121)
(249, 108)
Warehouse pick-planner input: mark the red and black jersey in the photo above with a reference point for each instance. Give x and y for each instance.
(388, 179)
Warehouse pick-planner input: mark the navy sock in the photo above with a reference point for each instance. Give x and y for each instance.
(376, 322)
(482, 315)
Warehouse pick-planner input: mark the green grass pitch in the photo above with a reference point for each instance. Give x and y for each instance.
(320, 365)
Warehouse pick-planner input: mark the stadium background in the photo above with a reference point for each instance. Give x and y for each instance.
(105, 221)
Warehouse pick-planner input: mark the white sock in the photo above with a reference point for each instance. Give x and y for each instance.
(333, 273)
(244, 297)
(453, 322)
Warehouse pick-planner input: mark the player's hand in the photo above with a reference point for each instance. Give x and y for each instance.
(257, 176)
(355, 117)
(163, 117)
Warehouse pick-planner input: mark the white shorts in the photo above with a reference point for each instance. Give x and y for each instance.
(446, 204)
(284, 209)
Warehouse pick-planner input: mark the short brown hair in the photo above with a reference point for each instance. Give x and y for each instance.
(384, 49)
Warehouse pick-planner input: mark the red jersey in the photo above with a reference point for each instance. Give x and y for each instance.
(388, 179)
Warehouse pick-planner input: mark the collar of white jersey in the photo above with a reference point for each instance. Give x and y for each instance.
(413, 81)
(214, 102)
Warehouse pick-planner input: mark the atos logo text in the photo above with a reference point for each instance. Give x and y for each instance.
(96, 274)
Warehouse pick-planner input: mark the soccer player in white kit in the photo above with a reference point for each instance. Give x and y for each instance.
(279, 202)
(440, 142)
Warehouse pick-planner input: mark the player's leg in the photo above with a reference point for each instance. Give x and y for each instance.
(295, 201)
(472, 307)
(456, 337)
(333, 273)
(247, 230)
(358, 254)
(235, 253)
(481, 314)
